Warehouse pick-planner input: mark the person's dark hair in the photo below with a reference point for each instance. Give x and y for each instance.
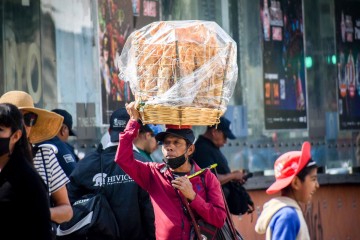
(10, 116)
(305, 171)
(145, 129)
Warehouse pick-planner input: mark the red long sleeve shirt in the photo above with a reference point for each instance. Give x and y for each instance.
(170, 220)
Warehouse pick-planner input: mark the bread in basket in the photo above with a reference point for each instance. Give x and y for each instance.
(180, 72)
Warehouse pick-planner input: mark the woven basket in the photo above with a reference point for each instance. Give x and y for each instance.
(159, 114)
(180, 72)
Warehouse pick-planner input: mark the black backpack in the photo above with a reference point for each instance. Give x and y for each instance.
(239, 200)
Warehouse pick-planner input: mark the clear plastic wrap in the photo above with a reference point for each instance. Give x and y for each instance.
(180, 65)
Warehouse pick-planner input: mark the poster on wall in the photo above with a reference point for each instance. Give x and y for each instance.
(117, 20)
(347, 20)
(283, 64)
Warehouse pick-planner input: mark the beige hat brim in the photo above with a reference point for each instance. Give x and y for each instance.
(47, 125)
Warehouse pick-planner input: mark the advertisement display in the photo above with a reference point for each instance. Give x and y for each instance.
(283, 64)
(347, 20)
(117, 19)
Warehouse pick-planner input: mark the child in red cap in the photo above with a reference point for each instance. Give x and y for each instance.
(296, 178)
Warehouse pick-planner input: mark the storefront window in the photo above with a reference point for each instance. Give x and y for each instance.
(258, 143)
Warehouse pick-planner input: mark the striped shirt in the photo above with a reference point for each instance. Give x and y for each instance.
(55, 174)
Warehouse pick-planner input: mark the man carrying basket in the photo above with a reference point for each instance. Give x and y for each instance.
(168, 184)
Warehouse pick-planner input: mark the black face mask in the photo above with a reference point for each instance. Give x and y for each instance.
(176, 162)
(4, 146)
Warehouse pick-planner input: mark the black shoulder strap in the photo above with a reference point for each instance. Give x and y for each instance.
(112, 167)
(45, 169)
(102, 187)
(46, 175)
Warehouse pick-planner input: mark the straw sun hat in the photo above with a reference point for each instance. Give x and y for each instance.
(47, 124)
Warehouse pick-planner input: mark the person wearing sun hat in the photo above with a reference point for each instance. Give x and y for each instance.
(45, 124)
(296, 178)
(41, 125)
(167, 182)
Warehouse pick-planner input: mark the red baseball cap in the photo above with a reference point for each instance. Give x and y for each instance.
(288, 165)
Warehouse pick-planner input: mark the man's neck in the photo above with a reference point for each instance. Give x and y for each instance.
(144, 153)
(61, 137)
(207, 135)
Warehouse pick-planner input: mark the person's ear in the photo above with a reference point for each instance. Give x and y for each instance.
(296, 183)
(16, 136)
(63, 130)
(213, 131)
(148, 135)
(191, 149)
